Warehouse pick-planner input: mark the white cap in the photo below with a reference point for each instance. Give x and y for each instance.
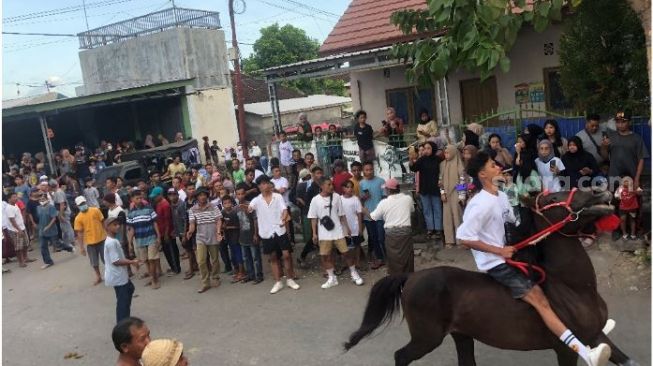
(80, 200)
(44, 178)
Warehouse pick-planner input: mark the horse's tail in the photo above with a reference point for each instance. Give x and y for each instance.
(383, 303)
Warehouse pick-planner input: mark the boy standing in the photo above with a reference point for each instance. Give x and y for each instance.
(249, 238)
(115, 269)
(330, 227)
(483, 231)
(353, 209)
(371, 188)
(144, 236)
(91, 193)
(231, 227)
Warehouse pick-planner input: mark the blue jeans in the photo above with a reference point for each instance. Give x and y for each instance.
(376, 237)
(123, 300)
(45, 250)
(253, 264)
(432, 207)
(236, 252)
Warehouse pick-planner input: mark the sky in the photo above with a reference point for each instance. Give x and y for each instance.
(31, 60)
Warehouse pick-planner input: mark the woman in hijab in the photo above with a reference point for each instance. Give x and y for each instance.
(452, 171)
(426, 128)
(552, 133)
(149, 142)
(579, 164)
(428, 166)
(470, 138)
(549, 166)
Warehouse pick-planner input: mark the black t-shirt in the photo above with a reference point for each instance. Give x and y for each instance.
(364, 136)
(230, 219)
(31, 209)
(248, 186)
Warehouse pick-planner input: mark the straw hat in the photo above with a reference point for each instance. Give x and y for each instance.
(162, 352)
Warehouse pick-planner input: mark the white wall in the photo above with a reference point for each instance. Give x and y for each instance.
(211, 114)
(527, 64)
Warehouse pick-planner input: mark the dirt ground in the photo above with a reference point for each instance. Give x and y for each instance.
(50, 313)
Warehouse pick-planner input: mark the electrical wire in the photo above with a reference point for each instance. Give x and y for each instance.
(69, 9)
(294, 10)
(311, 8)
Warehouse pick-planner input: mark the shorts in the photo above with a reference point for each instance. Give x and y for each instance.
(512, 278)
(19, 239)
(149, 252)
(326, 246)
(354, 242)
(276, 243)
(95, 253)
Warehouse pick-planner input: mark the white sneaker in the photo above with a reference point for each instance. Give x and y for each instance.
(357, 279)
(277, 287)
(292, 284)
(47, 265)
(600, 355)
(332, 281)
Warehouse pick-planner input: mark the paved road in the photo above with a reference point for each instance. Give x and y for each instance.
(47, 313)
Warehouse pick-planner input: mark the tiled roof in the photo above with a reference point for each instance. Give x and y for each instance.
(366, 24)
(256, 90)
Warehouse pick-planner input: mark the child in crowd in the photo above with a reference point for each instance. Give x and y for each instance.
(249, 239)
(628, 207)
(353, 209)
(91, 193)
(231, 227)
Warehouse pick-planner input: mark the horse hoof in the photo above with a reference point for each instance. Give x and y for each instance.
(629, 363)
(609, 326)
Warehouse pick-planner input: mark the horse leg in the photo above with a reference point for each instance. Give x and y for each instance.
(422, 341)
(617, 357)
(566, 356)
(465, 349)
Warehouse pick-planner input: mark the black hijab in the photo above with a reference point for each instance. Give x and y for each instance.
(471, 138)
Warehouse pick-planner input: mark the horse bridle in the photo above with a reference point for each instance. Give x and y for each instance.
(544, 233)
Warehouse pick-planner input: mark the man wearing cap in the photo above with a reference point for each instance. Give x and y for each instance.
(272, 215)
(90, 233)
(166, 228)
(395, 211)
(115, 269)
(205, 224)
(340, 175)
(625, 150)
(143, 235)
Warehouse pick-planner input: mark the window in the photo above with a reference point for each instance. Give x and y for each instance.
(555, 99)
(409, 102)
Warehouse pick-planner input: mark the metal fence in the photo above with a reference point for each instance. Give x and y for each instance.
(148, 24)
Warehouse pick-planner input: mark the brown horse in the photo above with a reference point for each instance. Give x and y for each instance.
(470, 305)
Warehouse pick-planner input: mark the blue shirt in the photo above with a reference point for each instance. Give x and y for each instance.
(142, 220)
(45, 215)
(375, 191)
(25, 190)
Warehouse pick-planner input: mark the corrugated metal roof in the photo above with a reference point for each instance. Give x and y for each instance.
(366, 24)
(297, 104)
(340, 56)
(33, 99)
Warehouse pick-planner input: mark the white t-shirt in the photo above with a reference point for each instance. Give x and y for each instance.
(483, 220)
(352, 207)
(395, 210)
(114, 212)
(13, 212)
(549, 181)
(319, 208)
(182, 195)
(5, 220)
(114, 275)
(269, 215)
(285, 153)
(282, 183)
(118, 199)
(257, 173)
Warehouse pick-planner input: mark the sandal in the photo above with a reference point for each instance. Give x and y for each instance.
(189, 275)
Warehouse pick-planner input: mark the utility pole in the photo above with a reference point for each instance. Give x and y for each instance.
(239, 83)
(85, 16)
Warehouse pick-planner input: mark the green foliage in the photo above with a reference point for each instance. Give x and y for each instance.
(474, 35)
(286, 45)
(603, 59)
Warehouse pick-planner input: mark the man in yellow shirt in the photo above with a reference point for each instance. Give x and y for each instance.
(90, 234)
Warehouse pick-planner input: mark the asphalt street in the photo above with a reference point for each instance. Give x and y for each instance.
(49, 313)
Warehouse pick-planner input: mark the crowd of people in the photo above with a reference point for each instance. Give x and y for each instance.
(223, 216)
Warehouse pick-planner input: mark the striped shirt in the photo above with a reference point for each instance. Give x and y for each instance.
(142, 221)
(206, 220)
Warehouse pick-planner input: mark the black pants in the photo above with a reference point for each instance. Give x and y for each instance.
(309, 247)
(224, 254)
(124, 300)
(171, 251)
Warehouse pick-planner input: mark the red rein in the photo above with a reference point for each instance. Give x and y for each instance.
(542, 234)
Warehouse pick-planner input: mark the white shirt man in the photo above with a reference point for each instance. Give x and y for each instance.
(320, 207)
(395, 210)
(281, 184)
(285, 153)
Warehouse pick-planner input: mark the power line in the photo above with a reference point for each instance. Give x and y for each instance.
(69, 9)
(294, 11)
(312, 8)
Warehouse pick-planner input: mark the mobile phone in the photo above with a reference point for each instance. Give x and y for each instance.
(552, 164)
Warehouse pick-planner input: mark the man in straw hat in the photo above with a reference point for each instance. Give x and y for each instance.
(164, 352)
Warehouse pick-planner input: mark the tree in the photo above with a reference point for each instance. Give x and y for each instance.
(603, 58)
(285, 45)
(470, 34)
